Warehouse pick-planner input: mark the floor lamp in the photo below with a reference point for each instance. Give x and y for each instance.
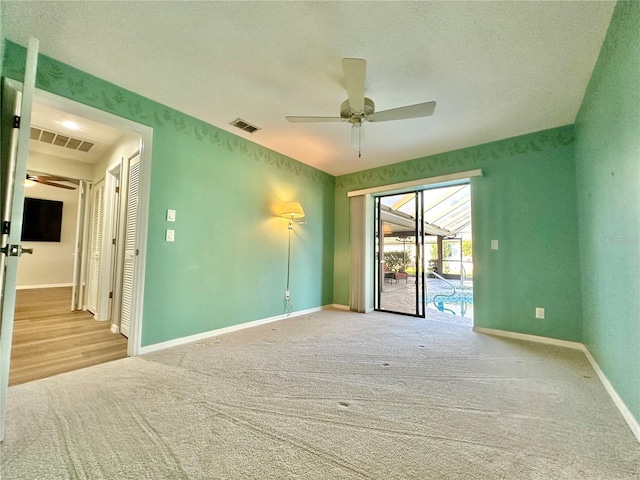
(293, 212)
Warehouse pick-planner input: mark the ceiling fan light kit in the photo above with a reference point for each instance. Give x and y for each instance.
(358, 108)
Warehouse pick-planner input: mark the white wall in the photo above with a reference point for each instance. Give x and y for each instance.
(42, 163)
(127, 146)
(51, 262)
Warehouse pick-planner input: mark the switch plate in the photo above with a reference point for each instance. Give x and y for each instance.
(494, 244)
(171, 215)
(171, 235)
(540, 313)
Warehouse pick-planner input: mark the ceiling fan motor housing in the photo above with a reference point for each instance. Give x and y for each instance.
(357, 117)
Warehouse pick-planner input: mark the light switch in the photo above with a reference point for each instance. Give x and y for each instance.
(171, 234)
(171, 215)
(494, 244)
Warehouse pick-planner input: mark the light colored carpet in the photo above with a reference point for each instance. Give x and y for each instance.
(330, 395)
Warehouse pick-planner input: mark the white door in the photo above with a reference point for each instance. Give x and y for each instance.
(14, 173)
(130, 250)
(80, 247)
(95, 248)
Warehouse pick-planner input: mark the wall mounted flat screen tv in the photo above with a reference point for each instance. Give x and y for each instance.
(42, 221)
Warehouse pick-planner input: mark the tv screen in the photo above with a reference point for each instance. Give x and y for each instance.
(42, 220)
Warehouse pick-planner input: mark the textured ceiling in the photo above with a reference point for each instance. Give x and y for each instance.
(495, 69)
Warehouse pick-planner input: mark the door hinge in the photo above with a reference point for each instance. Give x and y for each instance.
(6, 227)
(137, 252)
(117, 189)
(16, 121)
(110, 294)
(113, 242)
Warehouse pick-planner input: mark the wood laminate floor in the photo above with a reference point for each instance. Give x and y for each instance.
(48, 338)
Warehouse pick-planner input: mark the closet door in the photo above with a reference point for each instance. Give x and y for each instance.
(130, 250)
(95, 245)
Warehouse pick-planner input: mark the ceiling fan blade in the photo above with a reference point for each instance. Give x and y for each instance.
(54, 178)
(355, 71)
(53, 184)
(410, 111)
(295, 119)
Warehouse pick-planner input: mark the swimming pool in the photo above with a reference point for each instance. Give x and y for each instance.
(461, 303)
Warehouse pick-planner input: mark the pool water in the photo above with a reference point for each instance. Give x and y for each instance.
(460, 304)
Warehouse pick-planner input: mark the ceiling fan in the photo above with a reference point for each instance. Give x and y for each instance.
(51, 180)
(358, 108)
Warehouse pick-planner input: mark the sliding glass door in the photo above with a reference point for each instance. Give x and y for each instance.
(399, 254)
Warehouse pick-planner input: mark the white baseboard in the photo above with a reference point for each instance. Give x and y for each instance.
(530, 338)
(47, 285)
(618, 402)
(115, 328)
(221, 331)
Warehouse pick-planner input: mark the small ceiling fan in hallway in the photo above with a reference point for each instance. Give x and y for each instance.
(51, 180)
(358, 108)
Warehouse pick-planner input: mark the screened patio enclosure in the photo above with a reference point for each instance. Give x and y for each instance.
(423, 239)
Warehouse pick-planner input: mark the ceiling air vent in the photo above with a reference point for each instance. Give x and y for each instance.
(65, 141)
(246, 126)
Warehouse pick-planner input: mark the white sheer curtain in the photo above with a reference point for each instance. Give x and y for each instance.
(361, 242)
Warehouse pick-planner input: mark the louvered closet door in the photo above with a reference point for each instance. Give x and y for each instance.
(95, 244)
(130, 246)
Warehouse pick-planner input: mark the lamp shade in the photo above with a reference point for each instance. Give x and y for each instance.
(292, 210)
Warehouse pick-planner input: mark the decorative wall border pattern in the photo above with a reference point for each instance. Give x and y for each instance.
(69, 82)
(465, 159)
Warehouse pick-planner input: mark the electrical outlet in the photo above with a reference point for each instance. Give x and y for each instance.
(540, 313)
(287, 296)
(171, 215)
(494, 244)
(170, 236)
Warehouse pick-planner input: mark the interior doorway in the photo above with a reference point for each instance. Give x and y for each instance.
(67, 155)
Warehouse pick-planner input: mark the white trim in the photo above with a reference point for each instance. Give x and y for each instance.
(52, 100)
(339, 306)
(418, 183)
(530, 338)
(46, 285)
(617, 401)
(221, 331)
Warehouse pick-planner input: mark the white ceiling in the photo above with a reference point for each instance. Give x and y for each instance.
(51, 120)
(496, 69)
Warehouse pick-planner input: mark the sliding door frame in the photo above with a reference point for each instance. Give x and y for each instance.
(379, 274)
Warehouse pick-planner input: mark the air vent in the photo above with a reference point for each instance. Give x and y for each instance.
(246, 126)
(65, 141)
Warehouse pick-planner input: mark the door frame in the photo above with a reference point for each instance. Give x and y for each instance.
(379, 277)
(57, 102)
(361, 254)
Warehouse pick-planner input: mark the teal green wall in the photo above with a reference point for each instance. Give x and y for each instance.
(608, 178)
(229, 261)
(527, 201)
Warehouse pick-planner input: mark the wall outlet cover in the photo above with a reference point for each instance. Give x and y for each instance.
(494, 244)
(540, 313)
(171, 235)
(171, 215)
